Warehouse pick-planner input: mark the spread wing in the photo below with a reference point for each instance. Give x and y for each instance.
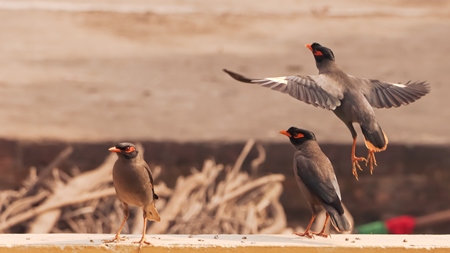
(321, 181)
(315, 90)
(386, 95)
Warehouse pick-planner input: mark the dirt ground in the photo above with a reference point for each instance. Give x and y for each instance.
(97, 70)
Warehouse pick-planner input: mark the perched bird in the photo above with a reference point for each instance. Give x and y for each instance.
(317, 181)
(351, 98)
(133, 182)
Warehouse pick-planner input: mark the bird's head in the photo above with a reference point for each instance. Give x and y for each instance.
(321, 53)
(298, 136)
(125, 149)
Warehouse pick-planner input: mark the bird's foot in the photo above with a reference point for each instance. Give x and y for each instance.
(355, 165)
(322, 234)
(116, 239)
(305, 234)
(142, 241)
(371, 160)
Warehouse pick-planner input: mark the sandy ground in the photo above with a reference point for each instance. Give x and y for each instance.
(96, 70)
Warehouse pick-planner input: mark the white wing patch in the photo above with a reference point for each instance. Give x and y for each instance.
(398, 85)
(336, 187)
(281, 79)
(274, 83)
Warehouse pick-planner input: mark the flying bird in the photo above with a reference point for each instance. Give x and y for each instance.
(315, 177)
(351, 98)
(133, 182)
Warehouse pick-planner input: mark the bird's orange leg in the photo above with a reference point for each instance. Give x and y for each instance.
(144, 230)
(117, 237)
(322, 233)
(356, 160)
(307, 233)
(371, 160)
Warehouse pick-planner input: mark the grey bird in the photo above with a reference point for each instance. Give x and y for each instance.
(351, 98)
(133, 182)
(315, 177)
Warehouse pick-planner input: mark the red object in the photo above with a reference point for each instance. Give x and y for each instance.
(401, 225)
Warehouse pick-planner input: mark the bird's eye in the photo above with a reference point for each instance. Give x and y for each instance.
(298, 135)
(318, 53)
(129, 149)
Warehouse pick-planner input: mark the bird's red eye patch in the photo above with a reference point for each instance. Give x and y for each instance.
(298, 136)
(129, 149)
(318, 53)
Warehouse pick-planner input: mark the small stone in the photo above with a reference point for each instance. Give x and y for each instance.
(357, 238)
(216, 237)
(346, 239)
(244, 237)
(404, 240)
(91, 240)
(201, 240)
(191, 236)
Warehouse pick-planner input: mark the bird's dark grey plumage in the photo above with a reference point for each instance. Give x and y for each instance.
(316, 178)
(352, 99)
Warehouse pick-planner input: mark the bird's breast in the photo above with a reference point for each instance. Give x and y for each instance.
(132, 184)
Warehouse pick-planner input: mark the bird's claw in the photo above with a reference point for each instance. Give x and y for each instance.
(116, 239)
(322, 234)
(305, 234)
(371, 160)
(355, 165)
(142, 241)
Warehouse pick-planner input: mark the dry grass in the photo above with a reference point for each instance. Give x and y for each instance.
(216, 199)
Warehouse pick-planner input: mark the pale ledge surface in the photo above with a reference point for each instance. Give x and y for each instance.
(354, 240)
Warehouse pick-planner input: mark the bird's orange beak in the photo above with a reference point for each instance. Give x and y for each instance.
(114, 149)
(308, 46)
(284, 132)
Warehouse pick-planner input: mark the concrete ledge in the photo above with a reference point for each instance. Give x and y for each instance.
(36, 243)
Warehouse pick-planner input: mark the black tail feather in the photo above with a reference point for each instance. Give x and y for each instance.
(374, 136)
(339, 221)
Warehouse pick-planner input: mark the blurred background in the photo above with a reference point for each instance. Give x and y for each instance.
(78, 76)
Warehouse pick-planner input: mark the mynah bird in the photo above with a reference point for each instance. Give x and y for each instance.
(351, 98)
(133, 182)
(315, 177)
